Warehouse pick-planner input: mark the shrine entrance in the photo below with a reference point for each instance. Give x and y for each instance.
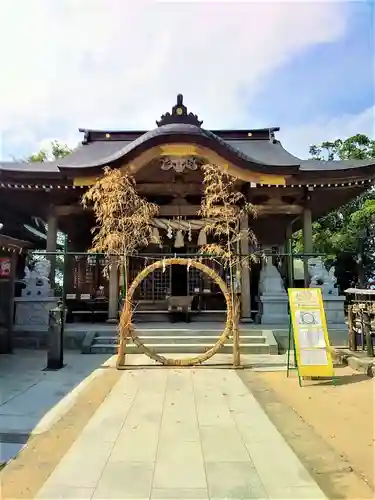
(179, 281)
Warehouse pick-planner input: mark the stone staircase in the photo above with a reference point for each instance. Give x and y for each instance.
(149, 316)
(181, 339)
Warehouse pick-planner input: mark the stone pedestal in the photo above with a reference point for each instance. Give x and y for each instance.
(274, 298)
(275, 310)
(334, 308)
(32, 313)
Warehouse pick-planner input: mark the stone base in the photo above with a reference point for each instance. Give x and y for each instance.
(334, 309)
(274, 310)
(33, 313)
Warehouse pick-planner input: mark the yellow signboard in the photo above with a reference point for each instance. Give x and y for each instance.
(311, 342)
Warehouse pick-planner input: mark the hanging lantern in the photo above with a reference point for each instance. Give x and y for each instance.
(202, 238)
(170, 232)
(179, 242)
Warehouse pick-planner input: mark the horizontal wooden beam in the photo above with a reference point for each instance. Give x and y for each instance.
(263, 210)
(189, 210)
(170, 188)
(64, 210)
(178, 210)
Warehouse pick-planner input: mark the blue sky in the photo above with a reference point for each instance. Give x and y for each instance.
(327, 79)
(306, 67)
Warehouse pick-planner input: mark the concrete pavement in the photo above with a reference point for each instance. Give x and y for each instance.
(33, 400)
(180, 434)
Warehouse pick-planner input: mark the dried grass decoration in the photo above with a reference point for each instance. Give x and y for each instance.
(127, 331)
(124, 219)
(223, 207)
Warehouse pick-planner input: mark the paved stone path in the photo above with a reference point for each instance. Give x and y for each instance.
(180, 434)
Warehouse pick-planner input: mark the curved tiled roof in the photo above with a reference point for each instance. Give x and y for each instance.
(323, 166)
(260, 154)
(32, 167)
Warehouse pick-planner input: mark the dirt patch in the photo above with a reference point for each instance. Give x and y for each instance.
(24, 476)
(330, 428)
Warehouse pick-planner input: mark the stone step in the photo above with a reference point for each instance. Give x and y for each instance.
(154, 332)
(163, 317)
(181, 348)
(173, 331)
(181, 339)
(186, 339)
(192, 331)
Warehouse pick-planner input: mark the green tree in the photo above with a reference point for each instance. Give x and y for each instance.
(58, 150)
(347, 235)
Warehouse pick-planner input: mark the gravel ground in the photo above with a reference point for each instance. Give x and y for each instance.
(330, 428)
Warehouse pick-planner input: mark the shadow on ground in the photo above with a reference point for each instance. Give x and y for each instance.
(341, 380)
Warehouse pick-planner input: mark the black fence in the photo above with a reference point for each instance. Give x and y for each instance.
(82, 279)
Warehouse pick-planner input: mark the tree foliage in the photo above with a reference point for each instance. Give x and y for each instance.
(58, 150)
(357, 147)
(347, 235)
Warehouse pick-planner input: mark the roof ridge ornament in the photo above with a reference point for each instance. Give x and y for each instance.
(179, 115)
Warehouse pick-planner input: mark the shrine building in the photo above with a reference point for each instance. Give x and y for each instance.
(288, 194)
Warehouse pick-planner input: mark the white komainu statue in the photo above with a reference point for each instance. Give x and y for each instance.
(37, 280)
(321, 278)
(270, 281)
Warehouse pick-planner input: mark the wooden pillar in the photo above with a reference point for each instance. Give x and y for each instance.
(113, 292)
(72, 271)
(307, 240)
(245, 272)
(52, 244)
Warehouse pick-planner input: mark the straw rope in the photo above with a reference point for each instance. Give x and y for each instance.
(126, 328)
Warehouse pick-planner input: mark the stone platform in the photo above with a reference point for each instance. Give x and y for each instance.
(357, 360)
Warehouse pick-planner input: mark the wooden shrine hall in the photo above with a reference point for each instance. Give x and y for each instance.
(287, 192)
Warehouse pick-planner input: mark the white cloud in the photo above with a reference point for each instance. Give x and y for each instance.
(120, 63)
(298, 139)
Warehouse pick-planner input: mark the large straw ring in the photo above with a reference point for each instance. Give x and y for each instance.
(126, 328)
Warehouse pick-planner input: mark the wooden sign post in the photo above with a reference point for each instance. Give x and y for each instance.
(308, 330)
